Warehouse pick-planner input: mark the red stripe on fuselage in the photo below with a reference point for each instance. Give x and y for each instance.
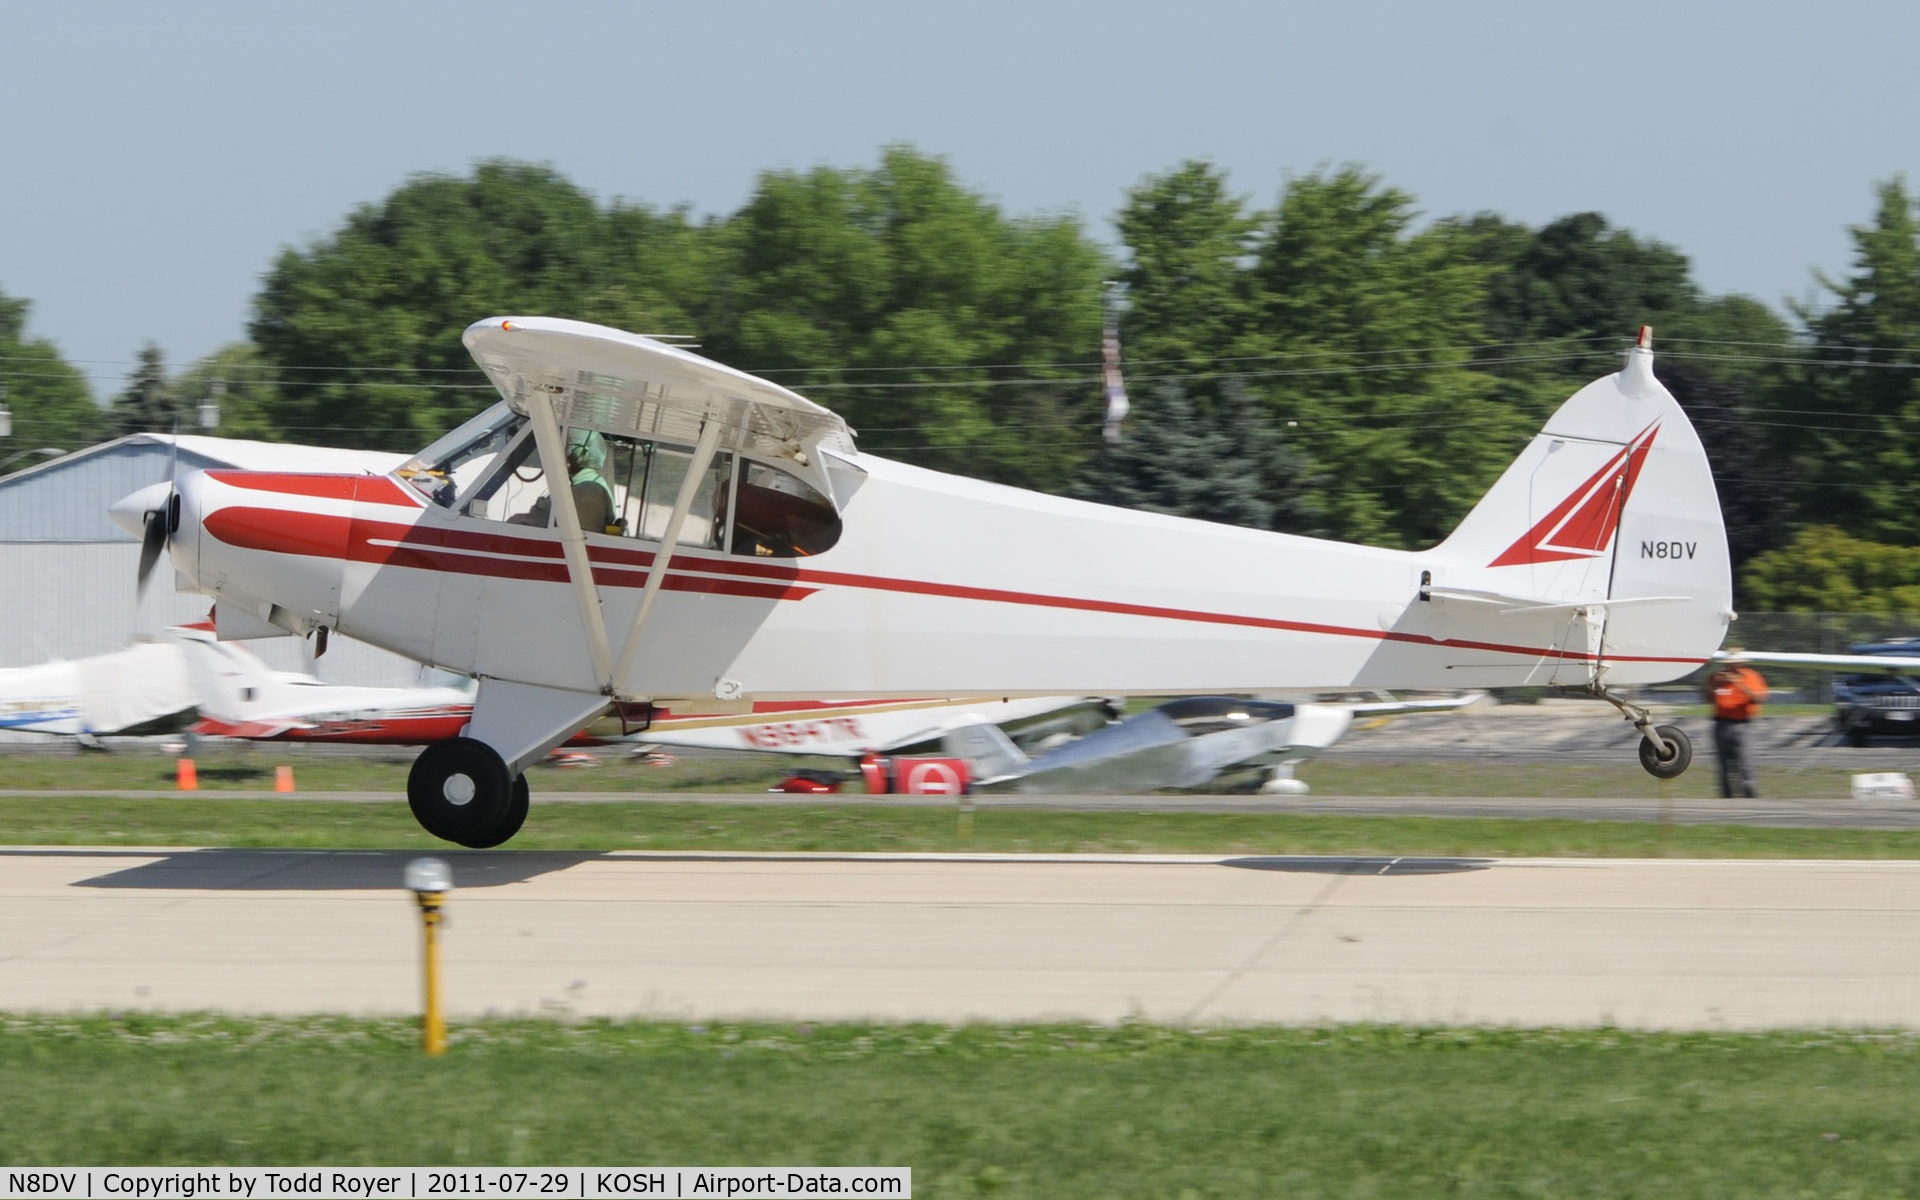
(320, 535)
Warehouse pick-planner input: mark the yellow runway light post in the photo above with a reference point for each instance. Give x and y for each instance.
(430, 879)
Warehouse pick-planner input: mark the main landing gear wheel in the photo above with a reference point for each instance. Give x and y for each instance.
(1678, 757)
(510, 821)
(459, 791)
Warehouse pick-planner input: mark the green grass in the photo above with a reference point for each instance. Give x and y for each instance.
(557, 825)
(1040, 1111)
(328, 769)
(324, 769)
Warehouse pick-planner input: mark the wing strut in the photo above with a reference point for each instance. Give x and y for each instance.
(689, 488)
(553, 461)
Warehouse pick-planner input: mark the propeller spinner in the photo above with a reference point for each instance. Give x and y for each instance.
(153, 513)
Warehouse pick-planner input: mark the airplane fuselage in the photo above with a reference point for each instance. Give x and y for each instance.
(950, 586)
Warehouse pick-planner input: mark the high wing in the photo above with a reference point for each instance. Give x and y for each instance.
(625, 383)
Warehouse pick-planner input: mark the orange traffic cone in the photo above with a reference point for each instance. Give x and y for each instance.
(283, 778)
(187, 779)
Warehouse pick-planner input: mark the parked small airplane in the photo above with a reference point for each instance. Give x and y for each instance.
(140, 690)
(1197, 741)
(242, 697)
(738, 548)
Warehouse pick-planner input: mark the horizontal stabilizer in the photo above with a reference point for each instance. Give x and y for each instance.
(1540, 604)
(990, 754)
(1838, 662)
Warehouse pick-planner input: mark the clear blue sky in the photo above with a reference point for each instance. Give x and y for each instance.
(158, 156)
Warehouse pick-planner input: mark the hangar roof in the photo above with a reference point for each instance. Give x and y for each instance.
(65, 499)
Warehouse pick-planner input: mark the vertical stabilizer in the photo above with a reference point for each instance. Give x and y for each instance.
(1612, 501)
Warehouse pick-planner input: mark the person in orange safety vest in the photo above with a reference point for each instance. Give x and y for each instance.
(1736, 692)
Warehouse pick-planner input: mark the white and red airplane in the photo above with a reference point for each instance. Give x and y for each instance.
(240, 696)
(742, 549)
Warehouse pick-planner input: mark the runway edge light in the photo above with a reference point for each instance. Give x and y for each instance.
(430, 879)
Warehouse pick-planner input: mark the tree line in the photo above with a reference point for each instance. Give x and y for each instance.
(1329, 364)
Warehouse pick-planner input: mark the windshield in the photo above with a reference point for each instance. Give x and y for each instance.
(454, 462)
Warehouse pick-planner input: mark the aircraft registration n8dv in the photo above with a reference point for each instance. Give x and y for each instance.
(720, 540)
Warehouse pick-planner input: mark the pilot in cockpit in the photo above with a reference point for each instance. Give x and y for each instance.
(592, 494)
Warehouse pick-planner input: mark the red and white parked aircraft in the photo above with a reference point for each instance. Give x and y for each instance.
(240, 696)
(740, 548)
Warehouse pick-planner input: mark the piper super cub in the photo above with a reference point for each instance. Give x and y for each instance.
(719, 540)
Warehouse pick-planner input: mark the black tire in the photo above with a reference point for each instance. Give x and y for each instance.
(459, 791)
(510, 821)
(1679, 754)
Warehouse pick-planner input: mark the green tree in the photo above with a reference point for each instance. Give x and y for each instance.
(945, 332)
(1375, 326)
(1191, 298)
(1225, 462)
(1825, 569)
(50, 401)
(1860, 454)
(361, 330)
(149, 404)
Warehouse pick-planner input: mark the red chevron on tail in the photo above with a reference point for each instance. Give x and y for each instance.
(1583, 525)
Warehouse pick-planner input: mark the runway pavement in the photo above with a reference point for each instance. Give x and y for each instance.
(1656, 944)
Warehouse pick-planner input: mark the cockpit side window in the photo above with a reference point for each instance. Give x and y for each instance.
(457, 461)
(654, 488)
(511, 490)
(780, 515)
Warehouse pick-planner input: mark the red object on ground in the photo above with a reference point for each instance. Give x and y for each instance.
(186, 777)
(930, 776)
(283, 778)
(801, 785)
(874, 770)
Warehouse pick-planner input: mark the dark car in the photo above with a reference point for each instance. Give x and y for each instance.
(1883, 704)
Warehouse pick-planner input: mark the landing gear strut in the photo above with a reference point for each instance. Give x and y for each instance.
(459, 790)
(1665, 750)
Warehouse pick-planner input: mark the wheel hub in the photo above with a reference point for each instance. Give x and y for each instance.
(458, 789)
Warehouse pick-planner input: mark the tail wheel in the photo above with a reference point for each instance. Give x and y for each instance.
(1678, 756)
(459, 791)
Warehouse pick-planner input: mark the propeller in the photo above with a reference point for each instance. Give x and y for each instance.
(161, 523)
